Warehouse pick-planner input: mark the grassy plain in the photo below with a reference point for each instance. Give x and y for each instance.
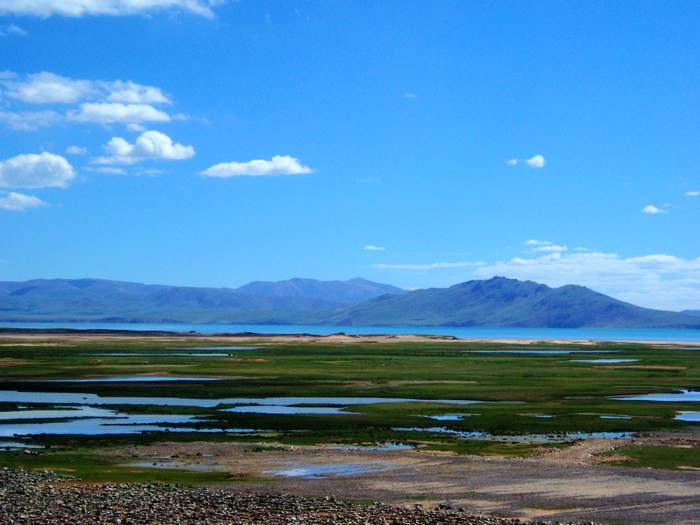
(513, 389)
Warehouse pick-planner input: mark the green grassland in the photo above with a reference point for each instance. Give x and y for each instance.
(512, 388)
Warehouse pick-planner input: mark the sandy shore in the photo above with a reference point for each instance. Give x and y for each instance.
(59, 336)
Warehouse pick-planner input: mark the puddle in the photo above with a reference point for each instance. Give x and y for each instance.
(603, 361)
(385, 447)
(564, 437)
(449, 417)
(539, 416)
(127, 379)
(543, 351)
(174, 465)
(615, 417)
(345, 469)
(283, 409)
(684, 396)
(691, 417)
(69, 398)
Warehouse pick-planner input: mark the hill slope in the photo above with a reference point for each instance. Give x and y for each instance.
(508, 302)
(295, 301)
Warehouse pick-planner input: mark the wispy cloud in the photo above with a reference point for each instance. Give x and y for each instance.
(278, 165)
(374, 248)
(537, 161)
(79, 8)
(12, 30)
(692, 193)
(14, 201)
(409, 94)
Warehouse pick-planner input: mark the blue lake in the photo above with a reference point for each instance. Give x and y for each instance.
(595, 334)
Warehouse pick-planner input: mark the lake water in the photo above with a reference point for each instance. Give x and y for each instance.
(596, 334)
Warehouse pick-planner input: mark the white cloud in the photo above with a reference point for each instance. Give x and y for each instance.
(114, 112)
(150, 145)
(76, 150)
(131, 93)
(427, 266)
(692, 193)
(279, 165)
(535, 242)
(19, 202)
(78, 8)
(12, 30)
(512, 162)
(28, 120)
(536, 162)
(656, 281)
(48, 88)
(109, 170)
(374, 248)
(652, 210)
(551, 248)
(41, 170)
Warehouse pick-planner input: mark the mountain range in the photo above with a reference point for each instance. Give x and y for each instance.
(496, 302)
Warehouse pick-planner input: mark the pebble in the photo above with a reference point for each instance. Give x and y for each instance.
(41, 497)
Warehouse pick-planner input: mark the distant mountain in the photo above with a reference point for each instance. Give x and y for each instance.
(339, 293)
(293, 301)
(508, 302)
(494, 302)
(694, 313)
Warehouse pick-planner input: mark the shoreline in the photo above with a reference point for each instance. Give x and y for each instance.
(339, 337)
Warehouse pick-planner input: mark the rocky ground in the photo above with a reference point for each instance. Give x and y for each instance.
(46, 498)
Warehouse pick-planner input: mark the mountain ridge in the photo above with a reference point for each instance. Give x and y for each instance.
(495, 302)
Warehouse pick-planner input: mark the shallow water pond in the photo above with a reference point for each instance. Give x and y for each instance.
(692, 417)
(128, 379)
(565, 437)
(322, 471)
(284, 409)
(69, 398)
(603, 361)
(684, 396)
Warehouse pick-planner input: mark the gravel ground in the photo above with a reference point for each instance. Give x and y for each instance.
(47, 499)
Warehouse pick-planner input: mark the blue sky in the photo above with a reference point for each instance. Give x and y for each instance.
(197, 143)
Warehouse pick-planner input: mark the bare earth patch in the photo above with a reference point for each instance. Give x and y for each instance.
(561, 485)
